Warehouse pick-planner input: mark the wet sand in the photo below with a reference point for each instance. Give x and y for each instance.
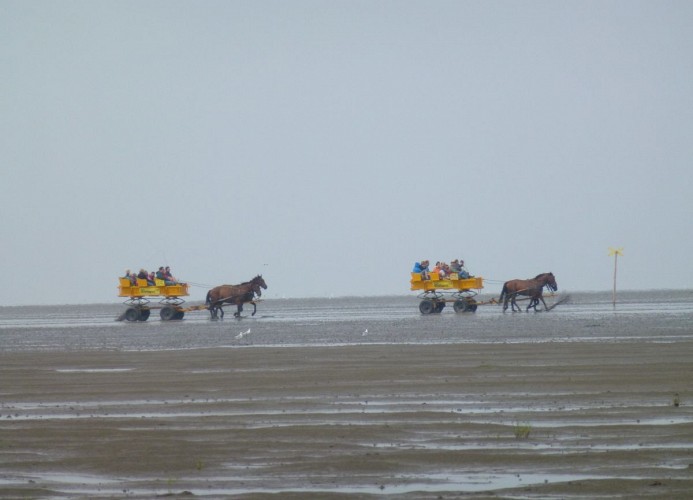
(465, 420)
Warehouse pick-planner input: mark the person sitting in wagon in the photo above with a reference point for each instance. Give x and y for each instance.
(457, 266)
(169, 276)
(144, 275)
(440, 269)
(422, 269)
(445, 269)
(161, 275)
(131, 277)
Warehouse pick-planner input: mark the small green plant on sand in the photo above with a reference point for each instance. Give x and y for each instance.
(170, 482)
(522, 430)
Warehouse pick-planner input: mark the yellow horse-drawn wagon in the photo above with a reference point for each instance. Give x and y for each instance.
(437, 291)
(139, 296)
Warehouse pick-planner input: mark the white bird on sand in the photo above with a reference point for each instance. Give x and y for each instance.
(242, 335)
(365, 332)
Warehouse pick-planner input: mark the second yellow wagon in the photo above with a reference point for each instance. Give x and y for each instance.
(437, 291)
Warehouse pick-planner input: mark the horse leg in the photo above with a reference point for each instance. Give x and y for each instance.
(254, 308)
(239, 308)
(514, 303)
(542, 301)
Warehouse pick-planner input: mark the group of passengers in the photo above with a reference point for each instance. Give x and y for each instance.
(443, 269)
(163, 274)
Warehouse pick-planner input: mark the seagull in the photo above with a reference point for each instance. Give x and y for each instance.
(242, 335)
(365, 332)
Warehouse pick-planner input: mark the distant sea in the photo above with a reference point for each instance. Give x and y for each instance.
(652, 316)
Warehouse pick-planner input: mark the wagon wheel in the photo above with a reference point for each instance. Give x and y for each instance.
(132, 314)
(427, 306)
(144, 314)
(168, 313)
(465, 305)
(179, 315)
(440, 306)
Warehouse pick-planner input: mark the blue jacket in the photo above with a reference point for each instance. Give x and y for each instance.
(418, 268)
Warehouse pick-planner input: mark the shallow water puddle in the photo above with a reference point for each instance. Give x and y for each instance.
(463, 483)
(610, 422)
(63, 478)
(93, 370)
(560, 447)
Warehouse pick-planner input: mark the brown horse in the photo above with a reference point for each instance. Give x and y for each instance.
(234, 294)
(532, 288)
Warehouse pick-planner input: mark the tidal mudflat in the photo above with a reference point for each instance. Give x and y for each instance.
(578, 402)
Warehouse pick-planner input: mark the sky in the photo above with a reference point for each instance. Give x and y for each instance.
(329, 145)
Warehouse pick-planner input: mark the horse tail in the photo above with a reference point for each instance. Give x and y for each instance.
(208, 299)
(504, 291)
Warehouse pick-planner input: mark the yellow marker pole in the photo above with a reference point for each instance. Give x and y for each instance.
(615, 252)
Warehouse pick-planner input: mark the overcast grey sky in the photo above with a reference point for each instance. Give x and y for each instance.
(330, 144)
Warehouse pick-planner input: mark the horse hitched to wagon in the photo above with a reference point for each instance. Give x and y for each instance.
(140, 295)
(437, 291)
